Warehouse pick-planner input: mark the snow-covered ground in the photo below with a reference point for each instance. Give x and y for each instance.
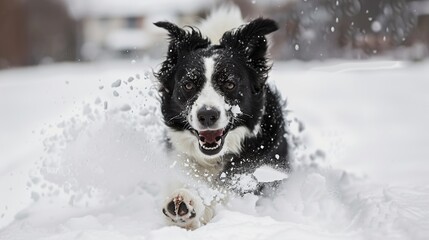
(80, 156)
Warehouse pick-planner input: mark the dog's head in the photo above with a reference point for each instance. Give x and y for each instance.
(213, 95)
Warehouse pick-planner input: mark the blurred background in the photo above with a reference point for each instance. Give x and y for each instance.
(374, 55)
(353, 71)
(34, 32)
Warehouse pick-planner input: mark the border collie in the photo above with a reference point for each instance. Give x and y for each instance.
(222, 117)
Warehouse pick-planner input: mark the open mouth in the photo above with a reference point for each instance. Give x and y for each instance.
(211, 141)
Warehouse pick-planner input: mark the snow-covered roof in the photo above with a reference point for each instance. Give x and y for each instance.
(118, 8)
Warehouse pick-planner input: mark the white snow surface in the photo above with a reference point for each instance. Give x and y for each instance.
(78, 162)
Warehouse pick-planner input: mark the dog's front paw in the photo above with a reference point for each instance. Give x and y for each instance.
(185, 209)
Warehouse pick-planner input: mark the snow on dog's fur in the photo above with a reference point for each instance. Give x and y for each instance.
(223, 119)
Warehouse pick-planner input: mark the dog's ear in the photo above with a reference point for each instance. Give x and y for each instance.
(250, 41)
(182, 40)
(250, 38)
(181, 43)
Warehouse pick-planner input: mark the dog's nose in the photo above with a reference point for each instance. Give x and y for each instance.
(207, 116)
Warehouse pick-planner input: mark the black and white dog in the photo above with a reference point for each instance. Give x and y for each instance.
(222, 116)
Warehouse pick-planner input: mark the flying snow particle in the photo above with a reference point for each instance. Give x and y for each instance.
(332, 29)
(35, 180)
(296, 47)
(116, 83)
(236, 110)
(35, 196)
(376, 26)
(133, 61)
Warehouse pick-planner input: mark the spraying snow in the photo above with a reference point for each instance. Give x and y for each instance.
(101, 170)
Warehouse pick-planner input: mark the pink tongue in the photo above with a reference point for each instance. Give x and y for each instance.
(210, 136)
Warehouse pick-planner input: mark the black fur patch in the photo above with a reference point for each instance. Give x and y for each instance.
(240, 58)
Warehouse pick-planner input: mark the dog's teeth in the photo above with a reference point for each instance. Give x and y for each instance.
(218, 144)
(210, 148)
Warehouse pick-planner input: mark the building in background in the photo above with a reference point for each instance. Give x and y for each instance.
(124, 29)
(36, 31)
(419, 39)
(43, 31)
(345, 28)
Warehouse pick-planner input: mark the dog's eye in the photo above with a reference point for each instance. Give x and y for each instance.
(189, 86)
(229, 85)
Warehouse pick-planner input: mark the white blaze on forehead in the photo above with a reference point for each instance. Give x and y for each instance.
(186, 142)
(209, 98)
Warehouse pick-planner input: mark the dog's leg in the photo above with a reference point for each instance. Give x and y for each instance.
(185, 208)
